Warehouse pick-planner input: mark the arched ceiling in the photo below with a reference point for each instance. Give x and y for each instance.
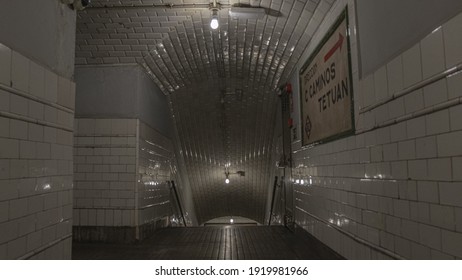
(221, 83)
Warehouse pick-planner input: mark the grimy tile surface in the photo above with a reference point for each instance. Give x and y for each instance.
(210, 243)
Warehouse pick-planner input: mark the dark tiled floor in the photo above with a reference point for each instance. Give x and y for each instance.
(204, 243)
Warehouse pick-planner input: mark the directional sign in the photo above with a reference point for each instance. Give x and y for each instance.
(326, 95)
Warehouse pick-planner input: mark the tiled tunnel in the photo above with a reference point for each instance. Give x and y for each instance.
(296, 129)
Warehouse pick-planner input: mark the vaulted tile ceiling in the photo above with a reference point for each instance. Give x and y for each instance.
(221, 83)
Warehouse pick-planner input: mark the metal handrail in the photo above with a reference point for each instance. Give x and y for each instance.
(272, 199)
(178, 201)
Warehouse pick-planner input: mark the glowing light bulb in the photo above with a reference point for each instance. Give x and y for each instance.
(214, 22)
(231, 221)
(227, 181)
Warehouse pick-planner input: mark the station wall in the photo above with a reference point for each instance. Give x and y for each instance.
(392, 189)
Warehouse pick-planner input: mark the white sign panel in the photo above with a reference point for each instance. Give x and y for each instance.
(326, 88)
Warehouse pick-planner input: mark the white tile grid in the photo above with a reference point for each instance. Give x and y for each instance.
(432, 47)
(424, 154)
(36, 178)
(154, 165)
(104, 167)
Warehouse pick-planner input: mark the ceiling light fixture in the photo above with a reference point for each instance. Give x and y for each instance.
(214, 7)
(214, 22)
(227, 177)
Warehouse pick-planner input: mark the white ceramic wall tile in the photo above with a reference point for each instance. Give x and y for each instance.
(367, 95)
(450, 144)
(433, 60)
(9, 148)
(455, 85)
(382, 114)
(86, 126)
(20, 72)
(452, 243)
(51, 86)
(412, 66)
(410, 229)
(430, 236)
(442, 216)
(18, 105)
(450, 193)
(420, 211)
(438, 122)
(406, 150)
(419, 252)
(4, 100)
(119, 127)
(414, 101)
(401, 208)
(36, 110)
(458, 218)
(103, 126)
(395, 75)
(440, 169)
(435, 93)
(456, 168)
(16, 248)
(381, 84)
(65, 97)
(453, 42)
(398, 132)
(4, 127)
(438, 255)
(455, 114)
(37, 80)
(35, 132)
(50, 114)
(403, 247)
(428, 191)
(418, 169)
(426, 147)
(27, 150)
(416, 127)
(5, 65)
(396, 108)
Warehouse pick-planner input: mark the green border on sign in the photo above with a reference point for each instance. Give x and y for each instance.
(342, 16)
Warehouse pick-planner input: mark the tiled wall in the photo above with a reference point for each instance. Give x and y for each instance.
(121, 169)
(36, 127)
(104, 176)
(182, 184)
(394, 189)
(156, 200)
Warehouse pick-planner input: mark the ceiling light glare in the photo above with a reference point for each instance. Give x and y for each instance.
(214, 21)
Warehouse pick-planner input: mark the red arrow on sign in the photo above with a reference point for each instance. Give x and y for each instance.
(337, 46)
